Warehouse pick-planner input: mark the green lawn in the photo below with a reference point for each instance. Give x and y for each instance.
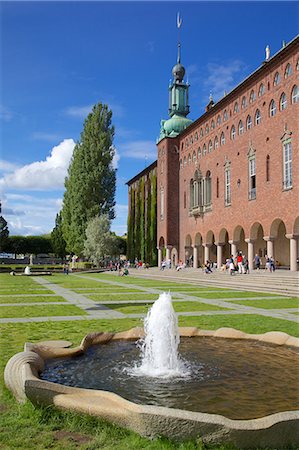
(279, 303)
(20, 291)
(104, 289)
(116, 297)
(234, 294)
(178, 307)
(40, 311)
(34, 428)
(31, 299)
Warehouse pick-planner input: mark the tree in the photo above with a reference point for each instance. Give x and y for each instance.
(90, 183)
(99, 242)
(4, 232)
(57, 239)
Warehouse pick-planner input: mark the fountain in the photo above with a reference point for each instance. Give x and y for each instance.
(170, 384)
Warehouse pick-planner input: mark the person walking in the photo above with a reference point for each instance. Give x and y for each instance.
(257, 262)
(239, 262)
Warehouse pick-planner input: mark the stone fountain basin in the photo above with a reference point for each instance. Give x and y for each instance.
(280, 430)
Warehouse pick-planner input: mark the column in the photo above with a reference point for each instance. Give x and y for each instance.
(168, 250)
(159, 257)
(270, 245)
(293, 252)
(206, 252)
(195, 256)
(250, 255)
(233, 248)
(219, 255)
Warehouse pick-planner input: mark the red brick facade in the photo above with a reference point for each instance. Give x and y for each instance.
(216, 197)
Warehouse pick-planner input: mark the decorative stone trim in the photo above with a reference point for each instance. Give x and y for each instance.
(279, 430)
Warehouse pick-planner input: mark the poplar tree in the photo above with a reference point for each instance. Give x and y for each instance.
(90, 183)
(57, 240)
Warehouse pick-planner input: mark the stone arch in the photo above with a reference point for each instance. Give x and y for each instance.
(223, 240)
(239, 239)
(200, 253)
(211, 253)
(257, 236)
(188, 247)
(174, 257)
(161, 242)
(281, 246)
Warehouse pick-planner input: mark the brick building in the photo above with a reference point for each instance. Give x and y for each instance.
(229, 181)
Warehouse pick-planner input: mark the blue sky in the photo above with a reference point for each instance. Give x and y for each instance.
(60, 58)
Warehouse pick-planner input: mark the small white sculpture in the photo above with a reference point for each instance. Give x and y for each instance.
(267, 52)
(27, 270)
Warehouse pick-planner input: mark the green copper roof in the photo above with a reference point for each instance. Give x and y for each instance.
(173, 126)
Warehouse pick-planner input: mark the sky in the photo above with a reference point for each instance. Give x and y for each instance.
(58, 59)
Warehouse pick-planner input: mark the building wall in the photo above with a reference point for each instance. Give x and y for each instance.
(274, 212)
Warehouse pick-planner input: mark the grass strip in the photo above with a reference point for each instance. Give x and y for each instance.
(279, 303)
(235, 294)
(117, 297)
(7, 312)
(178, 307)
(104, 290)
(35, 299)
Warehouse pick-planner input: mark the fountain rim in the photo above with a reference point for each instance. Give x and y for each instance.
(21, 377)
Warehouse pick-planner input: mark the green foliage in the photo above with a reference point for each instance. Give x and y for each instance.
(100, 242)
(90, 183)
(57, 239)
(4, 233)
(29, 244)
(153, 228)
(142, 220)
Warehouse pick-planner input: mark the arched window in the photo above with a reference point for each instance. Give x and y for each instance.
(233, 133)
(204, 150)
(244, 103)
(288, 70)
(213, 124)
(185, 161)
(268, 168)
(240, 127)
(272, 108)
(218, 119)
(248, 123)
(199, 152)
(261, 90)
(236, 107)
(217, 187)
(276, 79)
(210, 148)
(181, 163)
(295, 94)
(194, 156)
(225, 116)
(201, 132)
(252, 96)
(222, 139)
(189, 159)
(207, 128)
(297, 65)
(216, 143)
(283, 102)
(257, 117)
(196, 136)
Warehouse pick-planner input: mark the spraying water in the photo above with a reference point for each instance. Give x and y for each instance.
(159, 348)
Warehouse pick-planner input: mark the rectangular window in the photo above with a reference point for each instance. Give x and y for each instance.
(185, 200)
(252, 179)
(227, 187)
(287, 164)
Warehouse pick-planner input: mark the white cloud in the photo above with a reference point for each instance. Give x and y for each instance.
(116, 158)
(42, 175)
(139, 150)
(6, 166)
(223, 77)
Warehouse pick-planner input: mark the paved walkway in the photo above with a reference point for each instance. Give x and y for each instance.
(96, 310)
